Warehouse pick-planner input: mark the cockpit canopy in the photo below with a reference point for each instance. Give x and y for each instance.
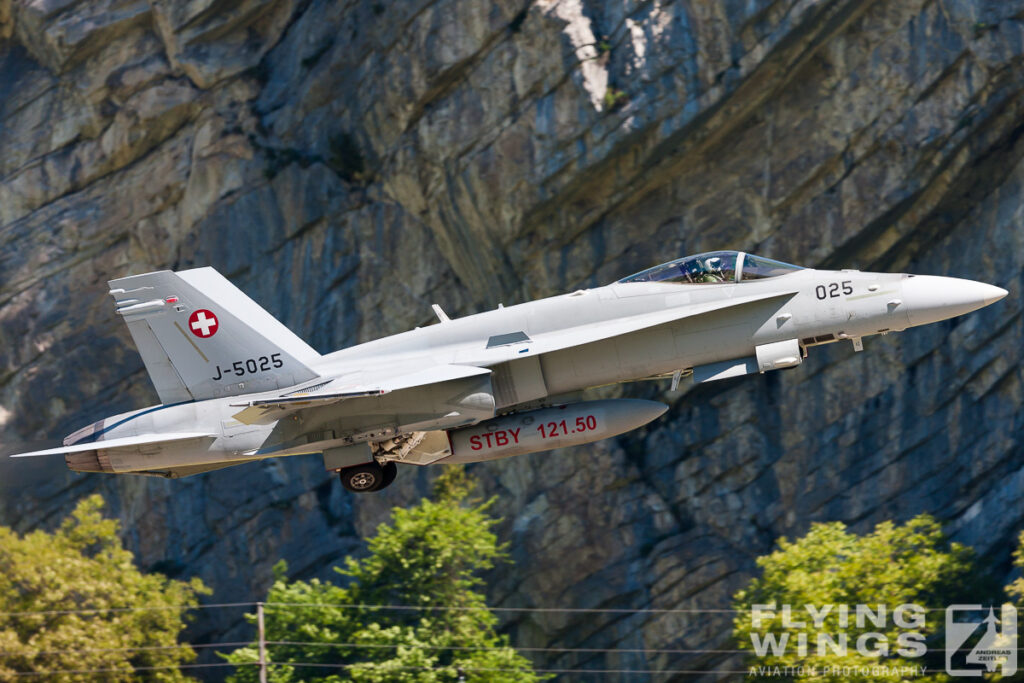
(714, 267)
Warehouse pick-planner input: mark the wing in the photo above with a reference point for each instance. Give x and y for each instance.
(592, 332)
(499, 349)
(108, 444)
(273, 408)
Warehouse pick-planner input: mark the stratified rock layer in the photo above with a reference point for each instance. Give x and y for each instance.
(350, 163)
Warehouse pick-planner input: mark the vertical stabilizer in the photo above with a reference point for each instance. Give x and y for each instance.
(201, 337)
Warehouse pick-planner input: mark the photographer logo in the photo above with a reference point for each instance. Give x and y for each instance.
(977, 642)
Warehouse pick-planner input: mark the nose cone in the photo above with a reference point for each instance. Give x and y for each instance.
(624, 414)
(930, 298)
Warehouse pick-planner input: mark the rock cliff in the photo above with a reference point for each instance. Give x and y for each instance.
(349, 163)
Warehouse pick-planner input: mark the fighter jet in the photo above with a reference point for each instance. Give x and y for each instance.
(237, 386)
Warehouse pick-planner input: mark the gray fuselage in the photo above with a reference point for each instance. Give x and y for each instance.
(809, 306)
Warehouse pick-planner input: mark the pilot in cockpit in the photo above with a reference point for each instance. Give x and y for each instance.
(716, 267)
(708, 272)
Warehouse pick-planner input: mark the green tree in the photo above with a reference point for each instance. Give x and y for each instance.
(891, 566)
(1015, 595)
(1015, 590)
(47, 579)
(428, 555)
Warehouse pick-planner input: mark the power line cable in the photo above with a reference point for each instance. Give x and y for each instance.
(65, 672)
(436, 608)
(140, 648)
(134, 669)
(504, 670)
(376, 646)
(563, 650)
(455, 648)
(487, 648)
(105, 610)
(451, 608)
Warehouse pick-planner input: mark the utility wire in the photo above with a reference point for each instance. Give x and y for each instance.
(65, 672)
(468, 669)
(454, 648)
(563, 610)
(795, 614)
(450, 608)
(140, 648)
(376, 646)
(483, 670)
(487, 648)
(134, 669)
(616, 650)
(421, 608)
(105, 610)
(425, 608)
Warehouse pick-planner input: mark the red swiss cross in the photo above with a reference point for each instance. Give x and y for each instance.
(203, 323)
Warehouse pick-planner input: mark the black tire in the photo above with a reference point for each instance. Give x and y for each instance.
(363, 478)
(390, 472)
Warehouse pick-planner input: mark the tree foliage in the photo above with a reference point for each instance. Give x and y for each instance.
(1016, 589)
(893, 565)
(47, 579)
(427, 556)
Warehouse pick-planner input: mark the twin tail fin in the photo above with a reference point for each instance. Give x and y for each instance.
(201, 337)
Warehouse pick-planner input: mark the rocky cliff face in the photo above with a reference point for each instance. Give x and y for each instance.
(349, 163)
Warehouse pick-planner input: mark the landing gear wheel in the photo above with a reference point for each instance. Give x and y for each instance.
(363, 478)
(390, 472)
(368, 477)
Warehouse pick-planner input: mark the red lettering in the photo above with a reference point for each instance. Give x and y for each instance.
(500, 438)
(474, 443)
(488, 437)
(515, 434)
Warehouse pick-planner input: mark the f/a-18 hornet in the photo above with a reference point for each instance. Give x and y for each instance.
(236, 385)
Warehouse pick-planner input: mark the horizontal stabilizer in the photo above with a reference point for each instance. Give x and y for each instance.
(126, 442)
(273, 408)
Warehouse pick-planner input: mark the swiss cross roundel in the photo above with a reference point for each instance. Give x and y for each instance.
(203, 323)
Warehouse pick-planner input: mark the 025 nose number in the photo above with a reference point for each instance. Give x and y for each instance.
(551, 430)
(834, 289)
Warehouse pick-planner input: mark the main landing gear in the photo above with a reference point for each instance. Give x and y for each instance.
(368, 476)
